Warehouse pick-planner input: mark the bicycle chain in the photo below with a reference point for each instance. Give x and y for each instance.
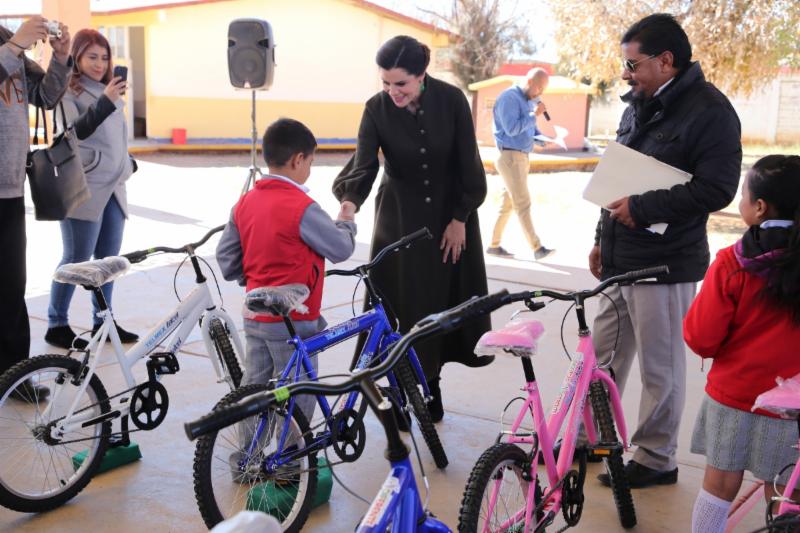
(82, 409)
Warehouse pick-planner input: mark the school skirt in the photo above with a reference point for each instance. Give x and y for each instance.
(736, 440)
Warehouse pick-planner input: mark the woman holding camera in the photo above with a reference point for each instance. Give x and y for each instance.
(93, 105)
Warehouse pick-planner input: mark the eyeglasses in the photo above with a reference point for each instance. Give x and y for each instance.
(630, 66)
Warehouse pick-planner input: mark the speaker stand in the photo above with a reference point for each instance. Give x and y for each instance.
(255, 172)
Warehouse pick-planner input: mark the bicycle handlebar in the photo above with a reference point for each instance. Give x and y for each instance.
(405, 242)
(140, 255)
(440, 322)
(627, 277)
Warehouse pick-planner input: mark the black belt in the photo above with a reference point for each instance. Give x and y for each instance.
(512, 150)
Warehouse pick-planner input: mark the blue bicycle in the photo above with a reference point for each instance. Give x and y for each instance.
(397, 506)
(268, 462)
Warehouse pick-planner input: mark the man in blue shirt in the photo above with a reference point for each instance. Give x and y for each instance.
(514, 129)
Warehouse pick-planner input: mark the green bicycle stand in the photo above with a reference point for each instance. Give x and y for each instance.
(265, 497)
(121, 451)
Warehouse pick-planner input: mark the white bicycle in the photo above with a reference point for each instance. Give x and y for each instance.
(41, 436)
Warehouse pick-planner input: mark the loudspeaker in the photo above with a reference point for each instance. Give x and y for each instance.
(251, 54)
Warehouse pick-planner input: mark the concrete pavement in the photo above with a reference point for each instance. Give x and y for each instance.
(175, 199)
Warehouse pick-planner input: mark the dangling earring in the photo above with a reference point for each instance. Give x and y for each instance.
(422, 86)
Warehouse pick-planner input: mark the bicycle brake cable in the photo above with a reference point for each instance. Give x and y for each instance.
(175, 278)
(564, 321)
(353, 299)
(216, 281)
(616, 338)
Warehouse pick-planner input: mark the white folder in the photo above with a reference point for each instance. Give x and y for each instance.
(623, 171)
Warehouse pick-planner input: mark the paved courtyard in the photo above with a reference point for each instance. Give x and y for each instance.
(177, 198)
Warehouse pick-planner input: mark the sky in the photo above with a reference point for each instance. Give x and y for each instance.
(542, 28)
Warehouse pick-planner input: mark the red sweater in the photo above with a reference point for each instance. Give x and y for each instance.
(273, 253)
(750, 340)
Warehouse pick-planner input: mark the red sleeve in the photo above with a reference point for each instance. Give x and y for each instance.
(708, 321)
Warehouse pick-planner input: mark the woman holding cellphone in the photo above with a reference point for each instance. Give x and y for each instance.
(93, 105)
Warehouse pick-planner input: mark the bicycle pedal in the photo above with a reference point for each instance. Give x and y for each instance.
(601, 450)
(163, 363)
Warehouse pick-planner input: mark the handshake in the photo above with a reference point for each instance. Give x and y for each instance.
(347, 212)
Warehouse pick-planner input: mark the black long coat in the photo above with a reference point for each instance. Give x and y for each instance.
(432, 174)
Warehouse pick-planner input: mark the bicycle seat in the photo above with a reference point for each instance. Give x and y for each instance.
(92, 273)
(520, 339)
(278, 301)
(783, 400)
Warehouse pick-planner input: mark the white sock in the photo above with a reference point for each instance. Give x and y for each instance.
(710, 513)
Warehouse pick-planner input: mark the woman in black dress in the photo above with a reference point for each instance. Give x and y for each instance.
(433, 177)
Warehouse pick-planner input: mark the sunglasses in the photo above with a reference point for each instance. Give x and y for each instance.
(630, 65)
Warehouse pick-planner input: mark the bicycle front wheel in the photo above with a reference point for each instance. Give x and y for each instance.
(228, 480)
(614, 465)
(39, 471)
(496, 494)
(225, 354)
(407, 380)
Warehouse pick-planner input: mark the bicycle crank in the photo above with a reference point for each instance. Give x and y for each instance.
(149, 404)
(349, 436)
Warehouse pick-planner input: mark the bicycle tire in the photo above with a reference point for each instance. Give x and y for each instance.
(407, 380)
(219, 496)
(614, 465)
(490, 467)
(225, 354)
(50, 476)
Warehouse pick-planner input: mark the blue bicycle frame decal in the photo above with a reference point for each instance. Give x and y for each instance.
(398, 503)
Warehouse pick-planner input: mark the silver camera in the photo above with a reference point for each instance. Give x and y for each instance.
(53, 28)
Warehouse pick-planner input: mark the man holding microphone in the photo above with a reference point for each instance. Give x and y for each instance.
(514, 129)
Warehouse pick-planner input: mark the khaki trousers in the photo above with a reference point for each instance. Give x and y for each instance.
(650, 326)
(513, 167)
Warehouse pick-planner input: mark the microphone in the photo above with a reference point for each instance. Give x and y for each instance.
(546, 116)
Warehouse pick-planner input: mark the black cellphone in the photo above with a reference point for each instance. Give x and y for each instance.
(121, 72)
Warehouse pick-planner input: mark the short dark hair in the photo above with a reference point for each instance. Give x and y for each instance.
(284, 138)
(404, 52)
(659, 33)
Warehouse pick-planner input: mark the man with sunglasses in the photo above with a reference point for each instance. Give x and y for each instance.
(677, 117)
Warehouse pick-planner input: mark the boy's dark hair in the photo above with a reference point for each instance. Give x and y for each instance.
(659, 33)
(404, 52)
(776, 180)
(284, 138)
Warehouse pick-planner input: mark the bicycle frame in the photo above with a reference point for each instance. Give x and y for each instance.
(571, 403)
(398, 503)
(381, 335)
(197, 307)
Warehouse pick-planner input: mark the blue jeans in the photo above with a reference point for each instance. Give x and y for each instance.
(83, 240)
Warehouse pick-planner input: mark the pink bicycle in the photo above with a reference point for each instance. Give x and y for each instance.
(505, 492)
(783, 512)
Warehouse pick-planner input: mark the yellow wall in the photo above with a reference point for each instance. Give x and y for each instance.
(325, 68)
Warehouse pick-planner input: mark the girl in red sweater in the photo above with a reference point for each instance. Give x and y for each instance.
(746, 318)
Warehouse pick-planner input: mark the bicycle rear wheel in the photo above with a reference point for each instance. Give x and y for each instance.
(407, 380)
(497, 491)
(223, 485)
(39, 472)
(225, 353)
(614, 465)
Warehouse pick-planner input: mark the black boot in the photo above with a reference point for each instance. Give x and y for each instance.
(64, 337)
(29, 393)
(435, 407)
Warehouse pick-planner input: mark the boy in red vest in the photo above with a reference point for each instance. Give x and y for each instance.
(278, 235)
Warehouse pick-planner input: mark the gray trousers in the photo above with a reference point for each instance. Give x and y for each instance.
(650, 325)
(268, 353)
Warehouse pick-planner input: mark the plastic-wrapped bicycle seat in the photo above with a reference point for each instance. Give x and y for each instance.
(518, 338)
(783, 400)
(92, 273)
(277, 301)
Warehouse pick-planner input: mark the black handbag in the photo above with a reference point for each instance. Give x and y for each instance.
(58, 184)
